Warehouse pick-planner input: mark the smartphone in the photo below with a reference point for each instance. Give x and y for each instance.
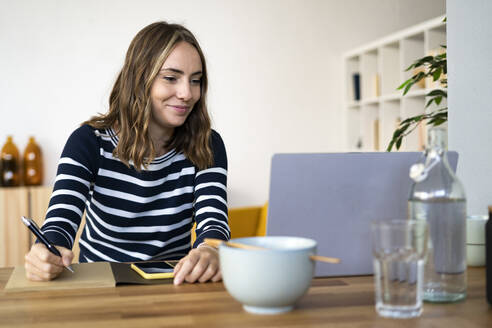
(155, 270)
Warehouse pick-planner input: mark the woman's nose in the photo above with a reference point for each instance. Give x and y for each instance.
(184, 91)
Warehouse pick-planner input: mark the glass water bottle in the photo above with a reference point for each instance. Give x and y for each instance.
(438, 197)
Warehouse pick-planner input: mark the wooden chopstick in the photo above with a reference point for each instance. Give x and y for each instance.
(216, 242)
(325, 259)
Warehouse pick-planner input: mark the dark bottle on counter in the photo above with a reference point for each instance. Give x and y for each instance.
(33, 164)
(10, 164)
(488, 256)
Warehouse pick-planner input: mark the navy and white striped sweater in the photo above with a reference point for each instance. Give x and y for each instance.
(132, 216)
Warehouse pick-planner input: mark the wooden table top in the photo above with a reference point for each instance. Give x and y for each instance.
(334, 302)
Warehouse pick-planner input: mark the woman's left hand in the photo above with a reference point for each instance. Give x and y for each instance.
(201, 264)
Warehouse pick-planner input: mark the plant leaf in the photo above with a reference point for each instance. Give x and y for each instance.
(404, 84)
(409, 120)
(390, 145)
(398, 143)
(407, 88)
(420, 62)
(436, 121)
(437, 74)
(437, 92)
(417, 77)
(397, 133)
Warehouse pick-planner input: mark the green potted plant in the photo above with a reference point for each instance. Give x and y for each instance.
(436, 68)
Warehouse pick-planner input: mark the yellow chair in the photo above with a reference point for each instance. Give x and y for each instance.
(245, 222)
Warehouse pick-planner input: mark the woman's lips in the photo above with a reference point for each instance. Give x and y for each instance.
(179, 109)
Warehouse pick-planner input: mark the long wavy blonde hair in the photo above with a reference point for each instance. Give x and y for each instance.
(130, 108)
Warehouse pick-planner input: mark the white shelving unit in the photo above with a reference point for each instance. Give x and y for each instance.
(380, 65)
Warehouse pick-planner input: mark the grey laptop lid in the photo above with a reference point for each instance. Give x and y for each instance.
(332, 198)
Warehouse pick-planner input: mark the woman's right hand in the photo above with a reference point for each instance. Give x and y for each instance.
(42, 265)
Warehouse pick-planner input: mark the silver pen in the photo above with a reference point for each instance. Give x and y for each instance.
(39, 234)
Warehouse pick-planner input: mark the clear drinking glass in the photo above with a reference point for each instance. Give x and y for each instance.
(399, 249)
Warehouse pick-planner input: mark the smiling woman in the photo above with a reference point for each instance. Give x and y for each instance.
(174, 93)
(144, 171)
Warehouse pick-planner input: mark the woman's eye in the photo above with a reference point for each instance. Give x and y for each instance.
(170, 78)
(196, 81)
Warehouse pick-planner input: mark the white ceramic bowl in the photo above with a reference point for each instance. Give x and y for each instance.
(268, 281)
(475, 240)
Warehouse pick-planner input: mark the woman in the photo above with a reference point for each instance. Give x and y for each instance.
(145, 170)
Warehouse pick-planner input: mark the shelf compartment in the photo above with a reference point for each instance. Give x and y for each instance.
(389, 63)
(411, 106)
(354, 136)
(369, 117)
(369, 75)
(435, 38)
(390, 119)
(352, 68)
(413, 48)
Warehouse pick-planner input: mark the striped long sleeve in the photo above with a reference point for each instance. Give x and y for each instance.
(211, 197)
(131, 215)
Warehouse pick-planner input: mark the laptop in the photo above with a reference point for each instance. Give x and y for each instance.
(333, 197)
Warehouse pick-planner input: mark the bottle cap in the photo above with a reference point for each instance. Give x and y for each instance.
(418, 172)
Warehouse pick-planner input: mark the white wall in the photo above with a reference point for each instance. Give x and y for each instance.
(275, 69)
(470, 110)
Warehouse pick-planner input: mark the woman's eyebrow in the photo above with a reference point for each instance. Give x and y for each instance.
(175, 70)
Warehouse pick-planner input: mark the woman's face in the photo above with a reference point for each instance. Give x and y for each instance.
(176, 89)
